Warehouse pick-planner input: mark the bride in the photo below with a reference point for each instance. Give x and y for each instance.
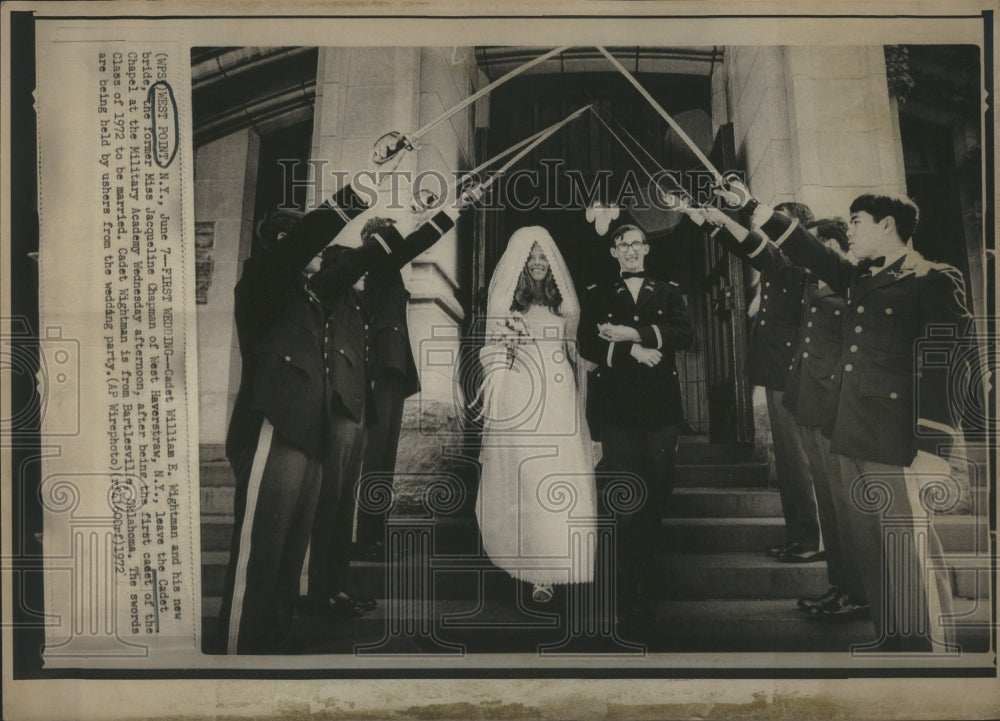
(537, 501)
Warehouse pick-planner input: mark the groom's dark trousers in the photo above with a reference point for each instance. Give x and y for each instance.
(639, 411)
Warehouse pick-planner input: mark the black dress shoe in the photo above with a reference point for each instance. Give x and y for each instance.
(840, 608)
(807, 602)
(776, 551)
(366, 604)
(797, 554)
(337, 607)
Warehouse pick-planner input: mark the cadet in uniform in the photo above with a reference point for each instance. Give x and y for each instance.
(772, 344)
(393, 372)
(351, 407)
(895, 421)
(276, 439)
(631, 330)
(810, 396)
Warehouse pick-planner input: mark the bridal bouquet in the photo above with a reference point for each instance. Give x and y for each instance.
(511, 333)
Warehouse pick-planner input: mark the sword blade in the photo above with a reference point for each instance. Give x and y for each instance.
(664, 114)
(416, 134)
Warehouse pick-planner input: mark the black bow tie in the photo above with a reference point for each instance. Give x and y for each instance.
(628, 274)
(866, 265)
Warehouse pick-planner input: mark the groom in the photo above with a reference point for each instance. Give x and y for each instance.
(631, 329)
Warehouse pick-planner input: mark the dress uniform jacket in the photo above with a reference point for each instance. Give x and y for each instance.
(624, 391)
(810, 390)
(386, 300)
(313, 361)
(894, 366)
(776, 327)
(812, 349)
(775, 330)
(269, 283)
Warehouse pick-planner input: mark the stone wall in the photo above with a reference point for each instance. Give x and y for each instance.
(225, 174)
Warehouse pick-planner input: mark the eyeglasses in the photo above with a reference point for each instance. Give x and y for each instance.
(634, 245)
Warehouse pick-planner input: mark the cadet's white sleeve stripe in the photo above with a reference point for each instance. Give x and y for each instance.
(935, 426)
(436, 226)
(340, 211)
(385, 246)
(659, 338)
(759, 249)
(246, 531)
(611, 352)
(788, 232)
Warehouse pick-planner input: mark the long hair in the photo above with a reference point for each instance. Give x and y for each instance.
(528, 292)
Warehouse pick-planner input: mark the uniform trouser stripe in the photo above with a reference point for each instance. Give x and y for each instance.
(253, 491)
(937, 584)
(909, 592)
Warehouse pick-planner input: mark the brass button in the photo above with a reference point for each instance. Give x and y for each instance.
(341, 351)
(813, 309)
(849, 367)
(861, 309)
(659, 312)
(763, 322)
(805, 355)
(635, 317)
(808, 339)
(767, 284)
(854, 349)
(609, 315)
(366, 326)
(836, 312)
(765, 296)
(888, 311)
(809, 324)
(288, 359)
(857, 329)
(894, 395)
(788, 343)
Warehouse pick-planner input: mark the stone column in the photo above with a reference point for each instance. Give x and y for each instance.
(844, 129)
(225, 189)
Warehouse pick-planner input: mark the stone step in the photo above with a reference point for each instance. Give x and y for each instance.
(217, 473)
(724, 503)
(697, 449)
(703, 473)
(211, 452)
(958, 534)
(717, 625)
(217, 500)
(689, 502)
(674, 577)
(216, 533)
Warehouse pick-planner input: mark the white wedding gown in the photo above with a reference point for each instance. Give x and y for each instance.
(537, 499)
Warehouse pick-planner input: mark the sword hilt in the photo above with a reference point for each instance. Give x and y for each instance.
(395, 141)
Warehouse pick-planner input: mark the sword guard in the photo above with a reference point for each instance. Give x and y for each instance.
(424, 199)
(393, 142)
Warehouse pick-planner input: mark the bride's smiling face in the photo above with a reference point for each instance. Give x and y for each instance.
(538, 264)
